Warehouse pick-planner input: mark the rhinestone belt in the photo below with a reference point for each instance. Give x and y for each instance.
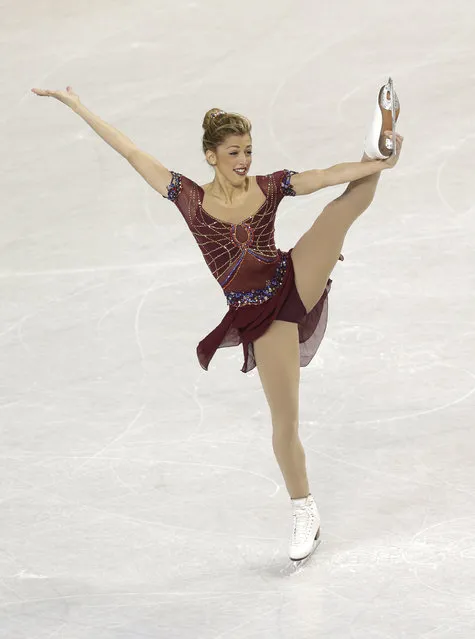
(259, 295)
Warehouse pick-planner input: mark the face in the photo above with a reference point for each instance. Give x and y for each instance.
(235, 153)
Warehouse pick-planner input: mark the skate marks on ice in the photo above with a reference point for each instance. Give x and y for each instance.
(442, 557)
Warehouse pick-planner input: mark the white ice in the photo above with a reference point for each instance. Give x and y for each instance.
(140, 496)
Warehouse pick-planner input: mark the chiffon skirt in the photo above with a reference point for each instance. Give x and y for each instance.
(245, 324)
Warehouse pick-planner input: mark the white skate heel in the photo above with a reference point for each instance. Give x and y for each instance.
(305, 536)
(377, 145)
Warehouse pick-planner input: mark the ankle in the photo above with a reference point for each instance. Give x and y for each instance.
(302, 496)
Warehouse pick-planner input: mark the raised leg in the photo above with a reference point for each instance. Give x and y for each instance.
(316, 253)
(278, 363)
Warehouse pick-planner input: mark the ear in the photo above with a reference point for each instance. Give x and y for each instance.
(211, 158)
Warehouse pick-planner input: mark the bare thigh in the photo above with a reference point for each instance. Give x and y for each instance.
(316, 253)
(277, 356)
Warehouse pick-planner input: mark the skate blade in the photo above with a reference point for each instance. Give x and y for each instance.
(295, 566)
(393, 117)
(394, 106)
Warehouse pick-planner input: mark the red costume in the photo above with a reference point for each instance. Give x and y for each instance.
(256, 277)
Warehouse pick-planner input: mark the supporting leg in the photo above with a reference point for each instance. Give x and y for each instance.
(278, 363)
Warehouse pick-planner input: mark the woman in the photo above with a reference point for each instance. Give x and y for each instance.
(277, 300)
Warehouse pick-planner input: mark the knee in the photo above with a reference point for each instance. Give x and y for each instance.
(284, 430)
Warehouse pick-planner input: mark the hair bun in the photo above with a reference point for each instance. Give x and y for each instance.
(218, 125)
(210, 116)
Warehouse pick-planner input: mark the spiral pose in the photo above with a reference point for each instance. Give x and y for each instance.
(277, 300)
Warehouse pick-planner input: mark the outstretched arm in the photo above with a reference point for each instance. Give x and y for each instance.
(361, 192)
(149, 168)
(316, 179)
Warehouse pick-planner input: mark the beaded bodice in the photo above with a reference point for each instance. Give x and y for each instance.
(242, 257)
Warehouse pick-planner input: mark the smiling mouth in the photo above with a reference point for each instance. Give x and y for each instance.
(241, 172)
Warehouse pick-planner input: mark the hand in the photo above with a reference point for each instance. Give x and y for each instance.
(68, 97)
(393, 159)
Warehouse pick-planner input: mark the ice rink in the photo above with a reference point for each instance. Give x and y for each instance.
(139, 495)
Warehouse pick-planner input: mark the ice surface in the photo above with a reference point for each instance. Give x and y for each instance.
(139, 494)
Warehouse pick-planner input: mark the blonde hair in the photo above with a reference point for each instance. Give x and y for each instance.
(218, 125)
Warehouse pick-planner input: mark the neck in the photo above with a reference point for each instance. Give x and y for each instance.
(223, 190)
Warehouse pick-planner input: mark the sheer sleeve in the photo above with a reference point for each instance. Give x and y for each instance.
(184, 193)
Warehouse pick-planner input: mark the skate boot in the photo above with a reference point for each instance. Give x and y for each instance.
(377, 145)
(305, 528)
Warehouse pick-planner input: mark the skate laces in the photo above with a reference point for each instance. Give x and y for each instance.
(303, 520)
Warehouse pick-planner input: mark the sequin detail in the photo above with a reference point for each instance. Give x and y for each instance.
(237, 229)
(240, 256)
(287, 189)
(174, 188)
(260, 295)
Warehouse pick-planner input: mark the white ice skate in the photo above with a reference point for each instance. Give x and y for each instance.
(377, 145)
(305, 536)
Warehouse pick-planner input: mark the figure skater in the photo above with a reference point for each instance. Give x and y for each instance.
(277, 300)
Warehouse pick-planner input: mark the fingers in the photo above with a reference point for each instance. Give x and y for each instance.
(398, 143)
(47, 92)
(41, 91)
(399, 138)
